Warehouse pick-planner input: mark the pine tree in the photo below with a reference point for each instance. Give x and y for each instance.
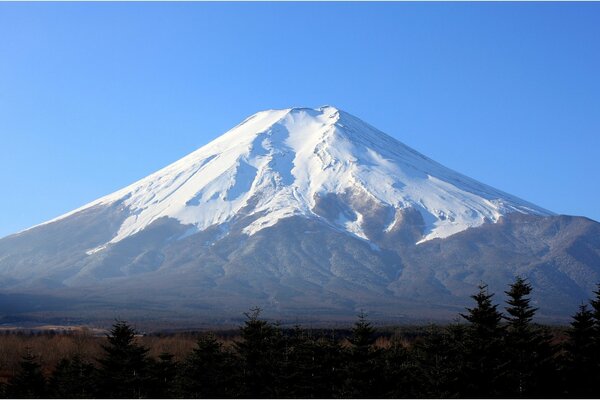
(362, 334)
(124, 368)
(440, 362)
(300, 376)
(261, 352)
(595, 302)
(399, 371)
(29, 383)
(328, 371)
(163, 377)
(207, 372)
(581, 360)
(73, 378)
(362, 375)
(312, 366)
(528, 371)
(484, 347)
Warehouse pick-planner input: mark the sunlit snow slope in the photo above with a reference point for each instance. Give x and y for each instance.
(278, 163)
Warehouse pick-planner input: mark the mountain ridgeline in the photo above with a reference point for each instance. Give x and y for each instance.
(310, 214)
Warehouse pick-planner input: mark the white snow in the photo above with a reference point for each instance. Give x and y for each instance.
(276, 161)
(97, 249)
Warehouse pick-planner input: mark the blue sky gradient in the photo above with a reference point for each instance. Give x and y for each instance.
(94, 96)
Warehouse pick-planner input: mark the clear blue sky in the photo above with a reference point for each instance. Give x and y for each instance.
(94, 96)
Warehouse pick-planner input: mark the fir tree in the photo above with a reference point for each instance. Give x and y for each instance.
(124, 368)
(528, 371)
(311, 368)
(328, 372)
(484, 347)
(362, 335)
(301, 376)
(163, 372)
(440, 362)
(28, 383)
(207, 372)
(362, 375)
(262, 353)
(73, 378)
(581, 360)
(595, 302)
(399, 371)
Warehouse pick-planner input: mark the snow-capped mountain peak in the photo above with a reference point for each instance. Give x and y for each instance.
(282, 163)
(306, 213)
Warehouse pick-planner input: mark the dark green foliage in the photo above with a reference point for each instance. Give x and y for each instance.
(484, 358)
(262, 355)
(124, 369)
(440, 362)
(163, 377)
(581, 358)
(399, 371)
(73, 378)
(483, 347)
(312, 366)
(595, 303)
(528, 370)
(362, 339)
(28, 383)
(208, 372)
(362, 362)
(520, 313)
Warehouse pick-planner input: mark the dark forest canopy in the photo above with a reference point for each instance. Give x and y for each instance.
(494, 352)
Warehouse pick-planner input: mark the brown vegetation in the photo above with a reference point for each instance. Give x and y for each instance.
(50, 346)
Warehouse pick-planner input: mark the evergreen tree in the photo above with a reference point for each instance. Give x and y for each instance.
(311, 368)
(301, 376)
(484, 347)
(29, 382)
(595, 302)
(207, 372)
(440, 362)
(327, 368)
(362, 375)
(528, 370)
(124, 369)
(399, 371)
(73, 378)
(163, 377)
(362, 338)
(261, 352)
(581, 360)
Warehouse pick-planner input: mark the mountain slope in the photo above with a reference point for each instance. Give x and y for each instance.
(301, 210)
(280, 163)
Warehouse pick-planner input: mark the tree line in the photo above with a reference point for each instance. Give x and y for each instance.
(493, 354)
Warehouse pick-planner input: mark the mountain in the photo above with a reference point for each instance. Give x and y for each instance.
(308, 213)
